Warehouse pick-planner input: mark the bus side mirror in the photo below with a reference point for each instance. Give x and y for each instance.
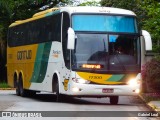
(71, 39)
(147, 39)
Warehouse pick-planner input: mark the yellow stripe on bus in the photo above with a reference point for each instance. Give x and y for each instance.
(21, 59)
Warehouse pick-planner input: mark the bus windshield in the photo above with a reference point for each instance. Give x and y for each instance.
(106, 53)
(106, 43)
(104, 23)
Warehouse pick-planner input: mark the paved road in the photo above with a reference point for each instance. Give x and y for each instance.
(46, 102)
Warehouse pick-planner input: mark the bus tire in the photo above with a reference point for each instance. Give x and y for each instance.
(17, 89)
(58, 95)
(16, 85)
(114, 100)
(23, 92)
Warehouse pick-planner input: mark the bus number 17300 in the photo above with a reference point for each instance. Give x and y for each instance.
(95, 77)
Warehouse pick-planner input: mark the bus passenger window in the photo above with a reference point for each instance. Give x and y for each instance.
(66, 52)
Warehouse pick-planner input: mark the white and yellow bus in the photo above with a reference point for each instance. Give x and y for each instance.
(77, 51)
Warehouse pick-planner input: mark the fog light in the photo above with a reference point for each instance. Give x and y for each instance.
(75, 89)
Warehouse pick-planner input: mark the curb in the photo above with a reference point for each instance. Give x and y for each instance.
(150, 105)
(154, 106)
(7, 88)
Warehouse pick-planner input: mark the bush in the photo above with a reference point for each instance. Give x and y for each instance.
(4, 85)
(151, 75)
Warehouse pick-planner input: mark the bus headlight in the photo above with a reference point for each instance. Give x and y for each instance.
(79, 80)
(137, 91)
(133, 82)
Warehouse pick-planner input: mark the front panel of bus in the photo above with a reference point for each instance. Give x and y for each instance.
(107, 49)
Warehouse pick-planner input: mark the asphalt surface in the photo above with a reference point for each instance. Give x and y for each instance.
(46, 102)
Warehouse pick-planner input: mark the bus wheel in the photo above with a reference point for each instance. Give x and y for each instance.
(23, 92)
(114, 100)
(17, 89)
(58, 95)
(16, 85)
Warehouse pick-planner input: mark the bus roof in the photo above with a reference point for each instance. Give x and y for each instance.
(34, 17)
(98, 10)
(79, 9)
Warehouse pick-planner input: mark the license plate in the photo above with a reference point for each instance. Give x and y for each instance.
(107, 90)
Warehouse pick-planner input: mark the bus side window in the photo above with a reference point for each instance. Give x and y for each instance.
(10, 37)
(66, 25)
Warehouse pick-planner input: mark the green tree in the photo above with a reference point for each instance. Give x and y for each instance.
(152, 23)
(90, 3)
(4, 22)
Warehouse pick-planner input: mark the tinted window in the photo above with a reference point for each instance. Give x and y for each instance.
(38, 31)
(66, 25)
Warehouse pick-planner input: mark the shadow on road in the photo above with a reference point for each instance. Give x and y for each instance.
(67, 99)
(94, 101)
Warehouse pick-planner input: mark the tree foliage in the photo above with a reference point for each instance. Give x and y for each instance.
(90, 3)
(152, 22)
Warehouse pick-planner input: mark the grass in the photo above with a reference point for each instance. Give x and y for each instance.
(4, 85)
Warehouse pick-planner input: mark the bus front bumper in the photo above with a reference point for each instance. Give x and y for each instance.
(88, 90)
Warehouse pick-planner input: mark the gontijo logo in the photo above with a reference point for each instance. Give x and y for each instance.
(24, 55)
(56, 53)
